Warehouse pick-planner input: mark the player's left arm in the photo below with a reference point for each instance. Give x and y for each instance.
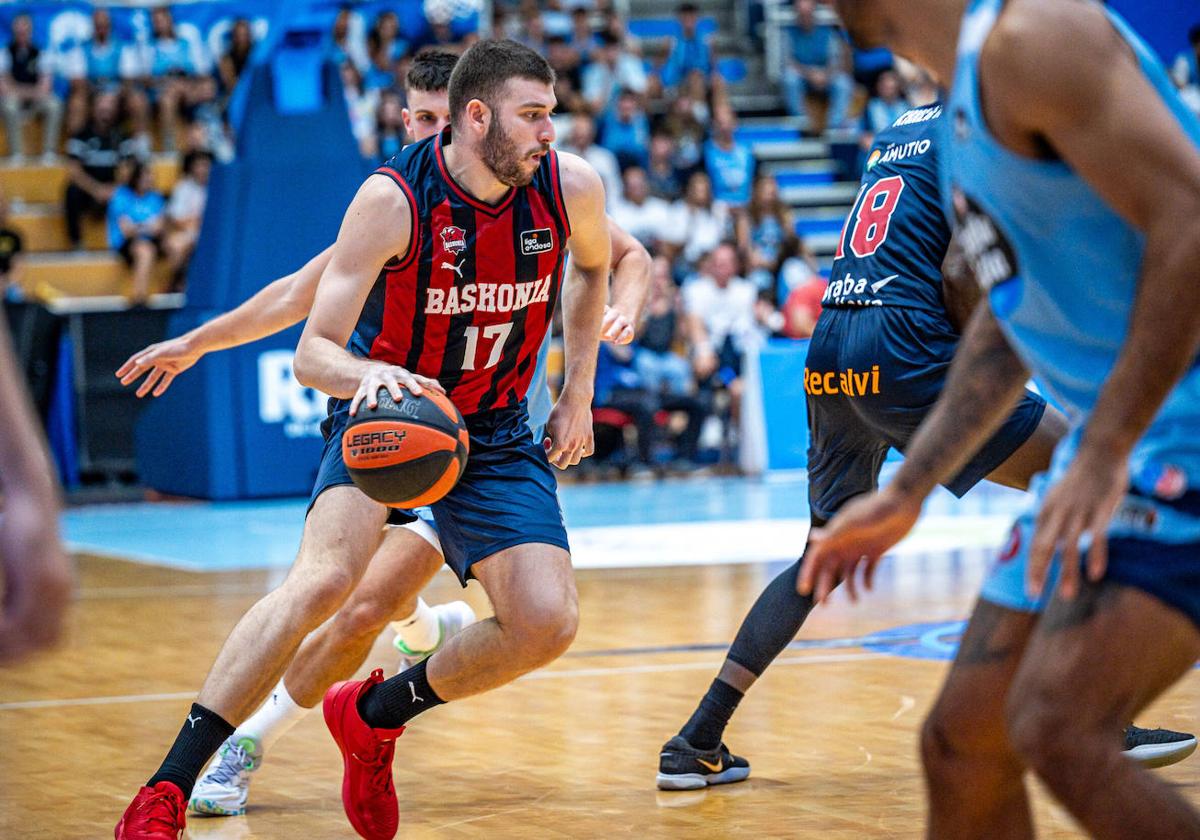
(630, 285)
(1104, 119)
(585, 290)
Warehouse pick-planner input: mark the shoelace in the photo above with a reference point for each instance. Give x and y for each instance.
(379, 766)
(232, 763)
(153, 815)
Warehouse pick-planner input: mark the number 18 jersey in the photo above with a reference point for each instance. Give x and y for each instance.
(471, 301)
(893, 242)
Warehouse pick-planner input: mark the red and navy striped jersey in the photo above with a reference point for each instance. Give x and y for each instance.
(471, 301)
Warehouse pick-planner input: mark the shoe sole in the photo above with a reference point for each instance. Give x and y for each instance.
(695, 781)
(1162, 755)
(211, 808)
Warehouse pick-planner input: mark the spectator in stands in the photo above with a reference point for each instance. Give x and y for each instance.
(726, 318)
(96, 65)
(93, 156)
(10, 253)
(689, 52)
(646, 217)
(611, 70)
(176, 75)
(361, 108)
(688, 131)
(532, 30)
(26, 87)
(797, 266)
(816, 63)
(700, 222)
(582, 38)
(235, 59)
(390, 134)
(1185, 71)
(135, 227)
(761, 232)
(729, 162)
(664, 178)
(344, 46)
(568, 74)
(582, 142)
(885, 107)
(185, 212)
(625, 131)
(659, 366)
(384, 39)
(803, 307)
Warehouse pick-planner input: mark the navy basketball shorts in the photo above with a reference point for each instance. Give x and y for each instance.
(508, 495)
(871, 377)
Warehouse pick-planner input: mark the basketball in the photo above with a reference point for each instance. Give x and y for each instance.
(408, 454)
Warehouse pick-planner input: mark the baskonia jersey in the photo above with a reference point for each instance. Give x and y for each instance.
(471, 301)
(893, 242)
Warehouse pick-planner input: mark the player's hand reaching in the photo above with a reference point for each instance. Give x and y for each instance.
(569, 430)
(858, 536)
(164, 361)
(615, 327)
(394, 378)
(1079, 506)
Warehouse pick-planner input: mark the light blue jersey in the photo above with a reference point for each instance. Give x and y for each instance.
(1060, 269)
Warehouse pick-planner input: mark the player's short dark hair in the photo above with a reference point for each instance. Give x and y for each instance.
(487, 66)
(430, 70)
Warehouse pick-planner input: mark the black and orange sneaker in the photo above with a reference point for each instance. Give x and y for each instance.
(368, 793)
(683, 767)
(156, 813)
(1158, 747)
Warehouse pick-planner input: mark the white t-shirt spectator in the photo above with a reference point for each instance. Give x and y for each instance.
(605, 164)
(646, 222)
(187, 200)
(725, 312)
(600, 82)
(698, 230)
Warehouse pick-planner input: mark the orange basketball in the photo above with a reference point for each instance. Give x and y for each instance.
(406, 454)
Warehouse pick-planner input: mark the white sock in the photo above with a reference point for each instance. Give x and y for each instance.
(421, 630)
(274, 718)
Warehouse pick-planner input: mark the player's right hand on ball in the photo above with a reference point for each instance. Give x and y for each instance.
(394, 378)
(164, 360)
(859, 535)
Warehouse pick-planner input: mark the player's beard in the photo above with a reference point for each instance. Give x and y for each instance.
(499, 154)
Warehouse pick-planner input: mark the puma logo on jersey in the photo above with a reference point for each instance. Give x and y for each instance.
(487, 297)
(457, 269)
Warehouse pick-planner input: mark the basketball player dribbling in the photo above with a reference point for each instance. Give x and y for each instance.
(1072, 169)
(499, 207)
(408, 551)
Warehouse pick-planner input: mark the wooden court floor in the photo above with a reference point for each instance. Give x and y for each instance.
(567, 753)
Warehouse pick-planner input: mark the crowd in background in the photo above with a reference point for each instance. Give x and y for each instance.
(656, 121)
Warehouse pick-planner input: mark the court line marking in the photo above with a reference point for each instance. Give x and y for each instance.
(537, 675)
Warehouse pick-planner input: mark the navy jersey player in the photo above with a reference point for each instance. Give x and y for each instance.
(409, 552)
(876, 365)
(1075, 185)
(491, 235)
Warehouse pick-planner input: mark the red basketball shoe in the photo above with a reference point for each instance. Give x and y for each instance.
(156, 813)
(368, 795)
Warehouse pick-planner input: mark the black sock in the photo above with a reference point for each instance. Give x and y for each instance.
(707, 724)
(396, 701)
(202, 733)
(767, 630)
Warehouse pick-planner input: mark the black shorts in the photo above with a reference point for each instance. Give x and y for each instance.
(871, 377)
(126, 249)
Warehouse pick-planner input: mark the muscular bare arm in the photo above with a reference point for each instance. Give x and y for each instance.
(630, 285)
(377, 226)
(274, 308)
(585, 290)
(1095, 113)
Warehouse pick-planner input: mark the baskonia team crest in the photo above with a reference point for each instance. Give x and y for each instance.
(454, 239)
